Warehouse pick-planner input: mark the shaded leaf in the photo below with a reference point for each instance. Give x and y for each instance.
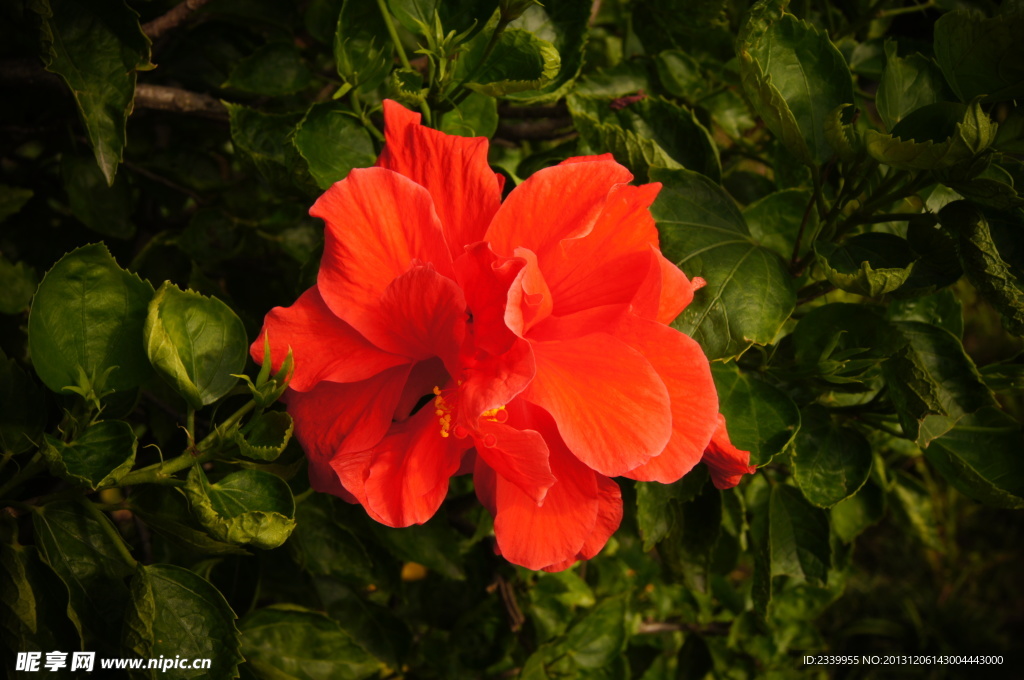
(871, 264)
(688, 548)
(600, 636)
(933, 137)
(658, 505)
(799, 535)
(270, 434)
(101, 456)
(265, 140)
(174, 612)
(762, 419)
(749, 292)
(13, 199)
(196, 343)
(332, 142)
(981, 55)
(519, 62)
(563, 23)
(476, 116)
(832, 462)
(105, 209)
(248, 507)
(22, 413)
(908, 83)
(88, 314)
(324, 546)
(167, 514)
(273, 69)
(362, 51)
(941, 309)
(18, 282)
(856, 513)
(775, 220)
(433, 544)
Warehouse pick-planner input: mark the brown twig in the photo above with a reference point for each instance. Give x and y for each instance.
(181, 101)
(540, 129)
(177, 16)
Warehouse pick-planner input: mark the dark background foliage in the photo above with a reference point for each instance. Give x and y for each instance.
(843, 174)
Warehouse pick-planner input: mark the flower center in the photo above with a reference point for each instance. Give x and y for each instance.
(443, 408)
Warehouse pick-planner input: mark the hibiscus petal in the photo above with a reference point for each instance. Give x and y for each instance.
(485, 278)
(538, 536)
(466, 192)
(665, 292)
(685, 370)
(489, 382)
(410, 469)
(324, 347)
(611, 406)
(421, 315)
(725, 462)
(554, 204)
(519, 456)
(529, 298)
(609, 516)
(379, 223)
(607, 265)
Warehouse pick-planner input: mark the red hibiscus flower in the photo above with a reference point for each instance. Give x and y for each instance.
(524, 341)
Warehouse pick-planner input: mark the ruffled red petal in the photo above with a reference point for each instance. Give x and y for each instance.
(609, 517)
(725, 462)
(465, 191)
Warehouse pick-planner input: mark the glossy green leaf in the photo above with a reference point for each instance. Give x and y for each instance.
(375, 627)
(274, 69)
(843, 338)
(196, 343)
(933, 137)
(362, 50)
(600, 636)
(982, 457)
(175, 612)
(18, 282)
(96, 48)
(871, 264)
(981, 255)
(167, 514)
(749, 292)
(932, 381)
(681, 74)
(762, 419)
(266, 141)
(647, 133)
(105, 209)
(248, 507)
(88, 314)
(83, 554)
(103, 454)
(658, 505)
(856, 513)
(981, 55)
(323, 545)
(832, 461)
(941, 309)
(332, 142)
(285, 642)
(913, 508)
(476, 116)
(775, 220)
(799, 535)
(22, 409)
(563, 23)
(270, 434)
(519, 62)
(908, 83)
(13, 199)
(455, 15)
(794, 76)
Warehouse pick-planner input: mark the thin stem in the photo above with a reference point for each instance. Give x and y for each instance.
(907, 10)
(190, 424)
(461, 91)
(111, 531)
(402, 57)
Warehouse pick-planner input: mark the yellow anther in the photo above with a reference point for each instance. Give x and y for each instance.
(497, 415)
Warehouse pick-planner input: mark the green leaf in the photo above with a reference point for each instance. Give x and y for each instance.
(749, 292)
(915, 511)
(688, 548)
(794, 76)
(681, 75)
(774, 220)
(520, 62)
(933, 137)
(907, 84)
(563, 23)
(842, 340)
(435, 545)
(88, 314)
(658, 505)
(105, 209)
(938, 264)
(286, 642)
(375, 627)
(18, 282)
(649, 132)
(273, 69)
(476, 116)
(270, 434)
(167, 514)
(101, 456)
(856, 513)
(195, 343)
(981, 55)
(333, 142)
(362, 50)
(96, 48)
(799, 535)
(175, 612)
(981, 255)
(981, 457)
(323, 545)
(932, 381)
(941, 309)
(456, 15)
(22, 409)
(832, 462)
(13, 199)
(762, 418)
(600, 636)
(871, 264)
(266, 141)
(248, 507)
(83, 554)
